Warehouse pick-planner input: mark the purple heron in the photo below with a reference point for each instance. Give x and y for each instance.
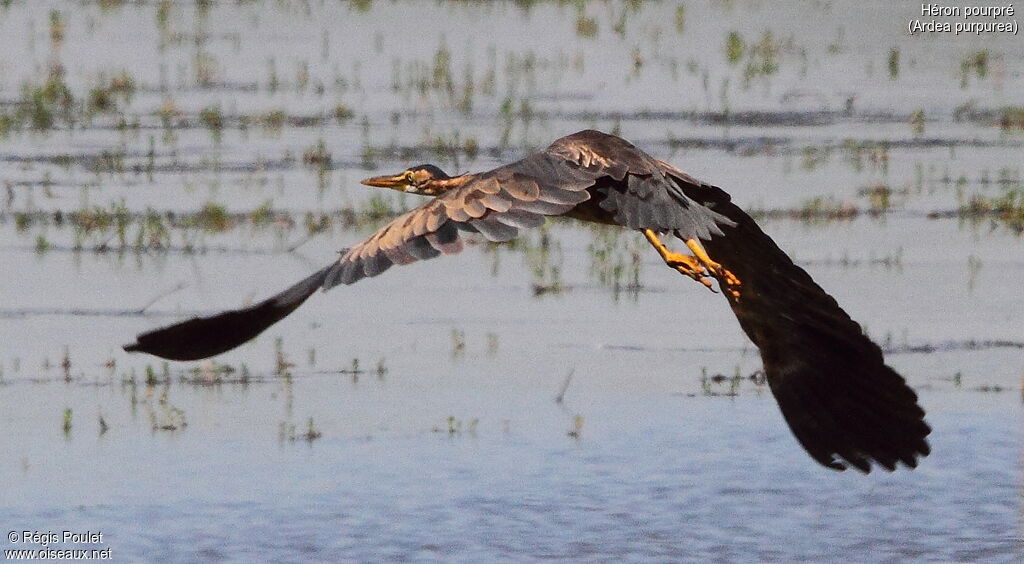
(843, 403)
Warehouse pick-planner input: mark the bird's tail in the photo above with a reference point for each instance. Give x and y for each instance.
(203, 337)
(843, 403)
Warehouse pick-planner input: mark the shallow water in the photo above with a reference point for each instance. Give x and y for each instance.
(430, 391)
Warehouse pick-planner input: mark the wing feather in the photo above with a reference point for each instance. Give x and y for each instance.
(496, 202)
(521, 189)
(842, 402)
(495, 230)
(475, 208)
(540, 207)
(636, 190)
(521, 218)
(497, 205)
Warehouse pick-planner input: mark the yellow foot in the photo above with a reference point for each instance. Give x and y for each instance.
(684, 264)
(729, 281)
(689, 266)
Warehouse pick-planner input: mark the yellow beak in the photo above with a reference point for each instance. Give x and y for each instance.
(397, 182)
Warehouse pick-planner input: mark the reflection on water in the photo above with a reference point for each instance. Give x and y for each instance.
(165, 159)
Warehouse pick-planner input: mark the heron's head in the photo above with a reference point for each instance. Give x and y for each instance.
(423, 179)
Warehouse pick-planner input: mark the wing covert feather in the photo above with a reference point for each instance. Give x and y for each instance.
(496, 204)
(634, 189)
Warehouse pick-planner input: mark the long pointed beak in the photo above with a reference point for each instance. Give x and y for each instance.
(397, 181)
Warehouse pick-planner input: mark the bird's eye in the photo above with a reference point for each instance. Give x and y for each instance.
(409, 177)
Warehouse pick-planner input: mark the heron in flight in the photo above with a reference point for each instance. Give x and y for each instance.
(845, 406)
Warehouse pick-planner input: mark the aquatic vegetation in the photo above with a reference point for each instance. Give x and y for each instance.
(680, 18)
(57, 25)
(973, 268)
(813, 157)
(317, 155)
(442, 71)
(576, 432)
(458, 337)
(615, 261)
(342, 113)
(151, 378)
(287, 432)
(1011, 117)
(8, 122)
(273, 81)
(544, 259)
(454, 426)
(721, 385)
(975, 63)
(894, 63)
(167, 417)
(379, 207)
(361, 6)
(586, 26)
(465, 102)
(991, 388)
(169, 114)
(206, 69)
(858, 154)
(213, 218)
(213, 119)
(65, 364)
(471, 148)
(42, 244)
(879, 198)
(762, 56)
(1007, 208)
(262, 215)
(826, 208)
(353, 370)
(212, 374)
(282, 366)
(273, 119)
(43, 103)
(103, 98)
(163, 15)
(101, 101)
(734, 47)
(917, 121)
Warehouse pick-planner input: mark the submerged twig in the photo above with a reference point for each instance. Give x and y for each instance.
(177, 287)
(565, 386)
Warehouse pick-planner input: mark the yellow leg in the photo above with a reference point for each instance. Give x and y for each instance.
(724, 276)
(685, 264)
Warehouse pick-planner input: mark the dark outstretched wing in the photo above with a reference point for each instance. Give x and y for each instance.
(629, 187)
(635, 190)
(496, 204)
(843, 403)
(203, 337)
(616, 183)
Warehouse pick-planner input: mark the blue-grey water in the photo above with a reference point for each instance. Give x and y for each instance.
(412, 417)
